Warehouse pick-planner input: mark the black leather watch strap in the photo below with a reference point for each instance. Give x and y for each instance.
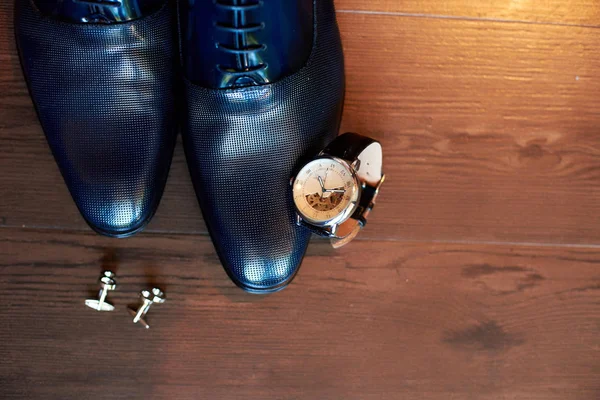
(313, 228)
(353, 147)
(348, 146)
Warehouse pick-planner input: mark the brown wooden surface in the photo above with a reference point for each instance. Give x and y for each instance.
(567, 12)
(490, 131)
(374, 320)
(478, 276)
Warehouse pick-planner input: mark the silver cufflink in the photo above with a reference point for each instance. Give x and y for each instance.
(149, 297)
(107, 283)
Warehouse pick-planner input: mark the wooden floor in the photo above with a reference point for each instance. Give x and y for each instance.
(478, 276)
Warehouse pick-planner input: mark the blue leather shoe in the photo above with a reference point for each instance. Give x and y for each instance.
(264, 88)
(101, 74)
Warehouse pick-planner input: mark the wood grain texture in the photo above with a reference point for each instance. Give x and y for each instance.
(490, 129)
(573, 12)
(376, 320)
(490, 132)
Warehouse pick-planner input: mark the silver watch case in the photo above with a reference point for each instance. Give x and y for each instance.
(331, 226)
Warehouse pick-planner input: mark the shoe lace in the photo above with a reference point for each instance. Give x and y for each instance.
(95, 16)
(242, 50)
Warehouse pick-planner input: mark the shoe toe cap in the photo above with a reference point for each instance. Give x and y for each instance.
(116, 216)
(263, 262)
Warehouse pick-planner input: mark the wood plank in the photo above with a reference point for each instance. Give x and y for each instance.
(375, 320)
(490, 129)
(575, 12)
(490, 132)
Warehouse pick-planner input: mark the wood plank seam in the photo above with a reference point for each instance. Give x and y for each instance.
(407, 241)
(464, 18)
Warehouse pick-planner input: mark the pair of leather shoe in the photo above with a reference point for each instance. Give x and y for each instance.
(255, 85)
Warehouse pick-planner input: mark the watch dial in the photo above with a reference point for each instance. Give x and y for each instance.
(324, 189)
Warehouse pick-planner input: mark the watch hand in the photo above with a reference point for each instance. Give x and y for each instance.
(321, 183)
(336, 190)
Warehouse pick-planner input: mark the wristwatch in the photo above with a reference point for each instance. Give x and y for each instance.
(335, 192)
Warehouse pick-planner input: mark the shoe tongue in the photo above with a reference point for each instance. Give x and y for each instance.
(248, 81)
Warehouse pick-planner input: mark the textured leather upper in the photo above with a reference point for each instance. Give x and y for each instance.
(105, 98)
(243, 145)
(98, 11)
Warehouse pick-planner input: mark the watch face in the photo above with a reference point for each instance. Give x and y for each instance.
(325, 190)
